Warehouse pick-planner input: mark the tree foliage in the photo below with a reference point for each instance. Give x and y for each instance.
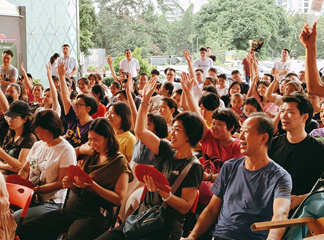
(222, 25)
(88, 21)
(231, 24)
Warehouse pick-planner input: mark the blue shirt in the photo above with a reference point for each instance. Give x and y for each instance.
(248, 197)
(71, 63)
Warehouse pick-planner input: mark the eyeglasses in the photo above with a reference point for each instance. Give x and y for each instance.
(8, 119)
(79, 104)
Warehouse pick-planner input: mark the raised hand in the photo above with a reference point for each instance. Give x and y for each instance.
(187, 55)
(149, 89)
(61, 69)
(186, 82)
(22, 67)
(129, 85)
(109, 61)
(308, 36)
(48, 67)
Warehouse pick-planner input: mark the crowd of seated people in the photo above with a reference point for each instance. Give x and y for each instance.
(256, 142)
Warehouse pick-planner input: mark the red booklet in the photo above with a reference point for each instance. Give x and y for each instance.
(16, 179)
(159, 179)
(76, 171)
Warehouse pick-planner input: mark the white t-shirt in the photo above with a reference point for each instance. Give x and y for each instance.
(205, 65)
(282, 66)
(222, 92)
(8, 73)
(58, 110)
(45, 163)
(130, 66)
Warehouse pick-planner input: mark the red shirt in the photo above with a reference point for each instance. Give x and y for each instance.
(101, 112)
(213, 148)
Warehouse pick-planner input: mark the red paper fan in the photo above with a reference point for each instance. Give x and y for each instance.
(75, 171)
(160, 181)
(16, 179)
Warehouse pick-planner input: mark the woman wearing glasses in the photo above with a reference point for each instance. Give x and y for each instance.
(78, 118)
(18, 140)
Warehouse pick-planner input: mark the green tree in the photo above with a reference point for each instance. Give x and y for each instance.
(88, 21)
(233, 23)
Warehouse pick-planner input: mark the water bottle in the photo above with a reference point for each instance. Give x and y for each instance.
(314, 12)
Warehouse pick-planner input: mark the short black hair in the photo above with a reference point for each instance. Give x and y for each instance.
(265, 125)
(160, 124)
(269, 75)
(155, 71)
(233, 84)
(169, 69)
(213, 57)
(85, 80)
(142, 74)
(171, 104)
(89, 101)
(211, 79)
(253, 102)
(48, 120)
(117, 84)
(192, 126)
(199, 70)
(285, 49)
(124, 112)
(235, 72)
(210, 101)
(203, 49)
(9, 52)
(210, 89)
(303, 104)
(291, 74)
(222, 75)
(168, 86)
(212, 69)
(229, 116)
(66, 45)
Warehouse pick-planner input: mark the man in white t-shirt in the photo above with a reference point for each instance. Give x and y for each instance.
(204, 63)
(8, 73)
(283, 65)
(129, 64)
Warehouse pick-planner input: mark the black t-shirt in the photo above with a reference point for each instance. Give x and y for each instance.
(171, 169)
(303, 161)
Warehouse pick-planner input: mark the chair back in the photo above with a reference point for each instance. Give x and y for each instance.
(20, 196)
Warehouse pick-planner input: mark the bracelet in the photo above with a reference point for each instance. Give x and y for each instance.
(168, 198)
(210, 177)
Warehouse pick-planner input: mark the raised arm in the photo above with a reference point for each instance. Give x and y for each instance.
(313, 81)
(28, 84)
(64, 89)
(148, 138)
(187, 85)
(269, 95)
(254, 71)
(4, 104)
(52, 86)
(109, 61)
(130, 100)
(189, 58)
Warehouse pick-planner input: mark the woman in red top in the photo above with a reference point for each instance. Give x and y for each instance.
(98, 93)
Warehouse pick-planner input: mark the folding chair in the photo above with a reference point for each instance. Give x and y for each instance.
(307, 220)
(20, 196)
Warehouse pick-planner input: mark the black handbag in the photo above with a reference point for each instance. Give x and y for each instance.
(139, 225)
